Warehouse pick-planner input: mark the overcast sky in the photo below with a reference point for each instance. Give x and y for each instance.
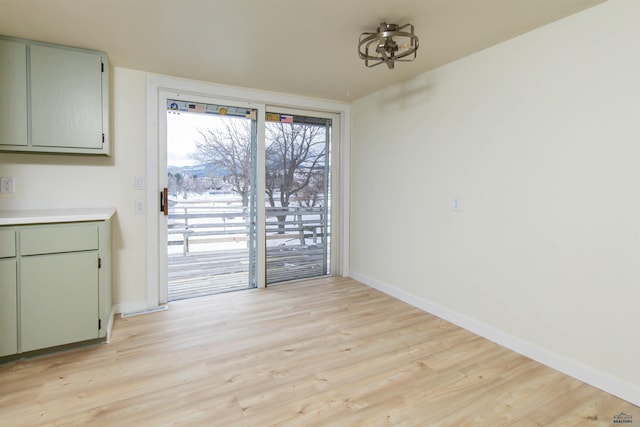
(182, 132)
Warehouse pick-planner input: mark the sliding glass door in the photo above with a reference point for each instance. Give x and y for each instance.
(246, 198)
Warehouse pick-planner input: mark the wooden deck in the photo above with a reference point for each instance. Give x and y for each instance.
(295, 249)
(206, 274)
(196, 275)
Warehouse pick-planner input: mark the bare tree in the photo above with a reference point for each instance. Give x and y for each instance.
(313, 194)
(295, 156)
(229, 147)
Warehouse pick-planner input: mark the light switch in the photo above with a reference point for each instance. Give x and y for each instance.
(138, 183)
(139, 206)
(456, 205)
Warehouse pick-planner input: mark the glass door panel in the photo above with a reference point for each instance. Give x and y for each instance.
(297, 197)
(211, 226)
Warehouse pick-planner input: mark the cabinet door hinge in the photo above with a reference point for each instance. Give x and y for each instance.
(102, 67)
(99, 262)
(103, 138)
(99, 324)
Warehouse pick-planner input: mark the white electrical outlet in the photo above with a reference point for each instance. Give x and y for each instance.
(7, 185)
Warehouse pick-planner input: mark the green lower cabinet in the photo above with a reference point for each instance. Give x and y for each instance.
(55, 285)
(58, 299)
(8, 307)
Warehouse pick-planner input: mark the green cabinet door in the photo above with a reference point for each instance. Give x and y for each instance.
(66, 98)
(13, 93)
(8, 308)
(58, 299)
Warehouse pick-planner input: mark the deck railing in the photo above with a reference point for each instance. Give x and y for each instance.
(202, 228)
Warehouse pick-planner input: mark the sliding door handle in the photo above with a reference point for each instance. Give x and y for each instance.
(164, 202)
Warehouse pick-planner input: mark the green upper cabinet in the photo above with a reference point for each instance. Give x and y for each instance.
(13, 93)
(66, 88)
(53, 99)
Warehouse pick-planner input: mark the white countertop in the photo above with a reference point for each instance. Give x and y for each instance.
(42, 216)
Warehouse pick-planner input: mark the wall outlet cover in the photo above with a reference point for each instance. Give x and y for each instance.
(138, 183)
(7, 185)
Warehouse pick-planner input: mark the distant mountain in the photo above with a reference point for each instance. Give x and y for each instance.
(201, 170)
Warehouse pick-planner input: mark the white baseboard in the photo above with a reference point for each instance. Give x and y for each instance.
(603, 381)
(144, 311)
(137, 308)
(128, 307)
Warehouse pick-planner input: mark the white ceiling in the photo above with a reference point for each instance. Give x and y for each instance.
(304, 47)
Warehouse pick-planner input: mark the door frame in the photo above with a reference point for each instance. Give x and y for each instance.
(160, 88)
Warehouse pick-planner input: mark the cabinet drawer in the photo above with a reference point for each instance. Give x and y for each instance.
(58, 239)
(7, 243)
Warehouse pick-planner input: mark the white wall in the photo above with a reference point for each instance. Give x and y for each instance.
(46, 181)
(539, 138)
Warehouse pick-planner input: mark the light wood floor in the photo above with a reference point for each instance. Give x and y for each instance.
(327, 352)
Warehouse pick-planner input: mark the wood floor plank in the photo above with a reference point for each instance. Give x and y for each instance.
(324, 352)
